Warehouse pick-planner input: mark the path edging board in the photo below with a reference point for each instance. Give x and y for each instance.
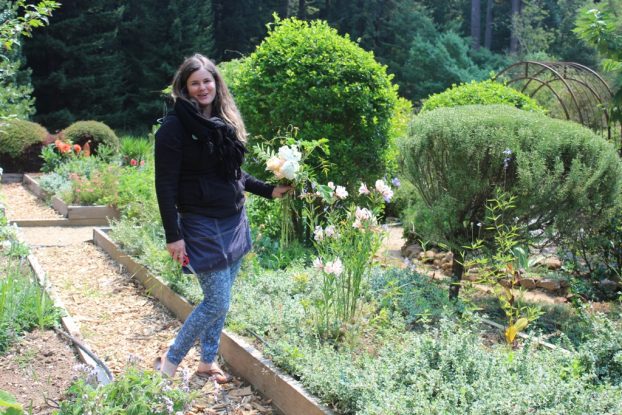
(287, 395)
(94, 215)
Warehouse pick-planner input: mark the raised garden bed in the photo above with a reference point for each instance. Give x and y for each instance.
(287, 395)
(75, 215)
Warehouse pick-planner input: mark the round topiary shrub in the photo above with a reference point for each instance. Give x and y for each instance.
(565, 177)
(96, 132)
(20, 145)
(486, 92)
(306, 75)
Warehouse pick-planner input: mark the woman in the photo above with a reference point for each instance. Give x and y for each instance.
(200, 188)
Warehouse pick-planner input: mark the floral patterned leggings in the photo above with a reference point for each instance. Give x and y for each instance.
(208, 318)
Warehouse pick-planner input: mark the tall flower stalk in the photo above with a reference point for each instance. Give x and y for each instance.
(346, 239)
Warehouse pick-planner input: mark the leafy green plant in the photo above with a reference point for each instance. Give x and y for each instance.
(564, 176)
(138, 149)
(101, 188)
(486, 92)
(498, 263)
(9, 405)
(328, 88)
(134, 392)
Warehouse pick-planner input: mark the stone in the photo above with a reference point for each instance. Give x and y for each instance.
(428, 256)
(437, 262)
(552, 263)
(549, 284)
(440, 255)
(609, 286)
(411, 251)
(449, 257)
(528, 283)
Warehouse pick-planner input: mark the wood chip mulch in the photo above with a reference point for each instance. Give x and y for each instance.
(21, 204)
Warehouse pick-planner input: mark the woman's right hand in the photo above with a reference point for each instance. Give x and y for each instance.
(177, 250)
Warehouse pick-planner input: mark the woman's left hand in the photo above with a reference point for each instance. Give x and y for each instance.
(280, 191)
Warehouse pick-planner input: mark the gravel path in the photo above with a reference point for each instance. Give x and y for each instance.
(116, 317)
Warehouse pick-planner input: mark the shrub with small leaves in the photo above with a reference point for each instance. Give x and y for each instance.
(93, 132)
(486, 92)
(20, 144)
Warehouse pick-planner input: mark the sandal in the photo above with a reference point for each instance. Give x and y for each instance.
(217, 374)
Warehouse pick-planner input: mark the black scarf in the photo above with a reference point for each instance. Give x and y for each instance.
(219, 136)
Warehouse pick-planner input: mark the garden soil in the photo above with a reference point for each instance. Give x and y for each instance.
(117, 319)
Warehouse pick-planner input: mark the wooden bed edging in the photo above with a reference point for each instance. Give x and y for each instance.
(287, 395)
(11, 178)
(94, 215)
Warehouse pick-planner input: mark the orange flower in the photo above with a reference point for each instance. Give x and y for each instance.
(87, 149)
(77, 148)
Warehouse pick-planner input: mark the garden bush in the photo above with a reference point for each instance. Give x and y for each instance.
(328, 88)
(95, 132)
(486, 92)
(561, 173)
(20, 145)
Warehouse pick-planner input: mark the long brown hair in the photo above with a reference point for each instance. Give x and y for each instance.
(223, 105)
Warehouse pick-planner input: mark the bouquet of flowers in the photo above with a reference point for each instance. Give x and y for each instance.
(289, 166)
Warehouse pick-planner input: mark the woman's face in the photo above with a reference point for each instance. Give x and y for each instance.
(201, 87)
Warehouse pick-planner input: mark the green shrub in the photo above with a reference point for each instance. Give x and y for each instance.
(561, 173)
(20, 144)
(95, 132)
(486, 92)
(306, 75)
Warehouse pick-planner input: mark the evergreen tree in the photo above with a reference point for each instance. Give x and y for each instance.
(77, 66)
(240, 25)
(156, 36)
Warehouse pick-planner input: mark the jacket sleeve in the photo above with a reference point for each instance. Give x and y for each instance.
(168, 156)
(256, 186)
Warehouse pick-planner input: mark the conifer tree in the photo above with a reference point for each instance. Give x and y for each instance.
(77, 66)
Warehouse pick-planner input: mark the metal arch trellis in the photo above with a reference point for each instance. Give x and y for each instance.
(569, 90)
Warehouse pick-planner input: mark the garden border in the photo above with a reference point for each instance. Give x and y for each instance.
(287, 394)
(11, 178)
(77, 215)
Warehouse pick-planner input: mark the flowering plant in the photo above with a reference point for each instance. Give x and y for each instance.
(346, 239)
(290, 166)
(61, 151)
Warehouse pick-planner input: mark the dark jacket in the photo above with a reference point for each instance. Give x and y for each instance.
(187, 179)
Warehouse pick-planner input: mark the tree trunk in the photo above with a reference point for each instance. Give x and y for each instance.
(457, 269)
(284, 9)
(488, 29)
(302, 9)
(476, 16)
(516, 6)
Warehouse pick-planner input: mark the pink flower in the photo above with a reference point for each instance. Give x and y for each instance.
(335, 267)
(341, 192)
(133, 162)
(318, 233)
(142, 162)
(330, 231)
(363, 190)
(317, 264)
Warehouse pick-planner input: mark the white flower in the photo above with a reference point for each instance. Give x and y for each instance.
(357, 224)
(318, 233)
(363, 213)
(274, 163)
(331, 185)
(289, 153)
(330, 231)
(335, 267)
(380, 185)
(6, 245)
(289, 169)
(317, 264)
(363, 190)
(384, 190)
(341, 192)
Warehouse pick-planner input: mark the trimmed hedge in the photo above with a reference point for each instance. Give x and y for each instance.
(96, 132)
(20, 144)
(486, 92)
(306, 75)
(561, 172)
